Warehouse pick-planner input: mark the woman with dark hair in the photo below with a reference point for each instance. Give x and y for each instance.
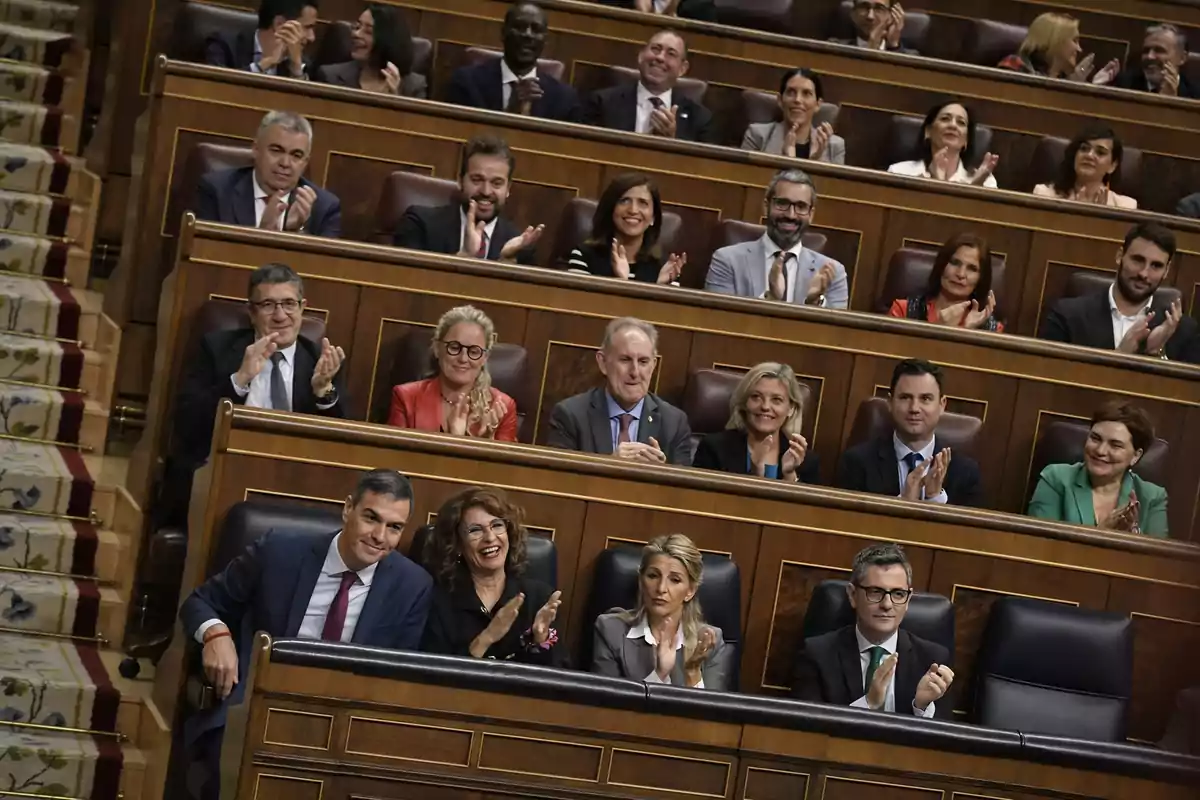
(795, 136)
(960, 288)
(483, 607)
(625, 231)
(944, 153)
(1090, 161)
(381, 53)
(1102, 490)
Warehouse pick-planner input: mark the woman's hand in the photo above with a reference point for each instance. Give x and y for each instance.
(1125, 518)
(620, 260)
(820, 140)
(457, 412)
(953, 313)
(794, 457)
(976, 316)
(1096, 195)
(673, 268)
(391, 78)
(789, 139)
(545, 618)
(1083, 69)
(694, 667)
(1107, 73)
(498, 627)
(944, 164)
(760, 454)
(664, 651)
(986, 168)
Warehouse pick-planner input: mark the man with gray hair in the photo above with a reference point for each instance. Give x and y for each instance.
(1164, 52)
(777, 266)
(624, 418)
(273, 194)
(873, 664)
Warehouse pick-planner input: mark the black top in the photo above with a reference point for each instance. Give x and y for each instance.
(438, 229)
(597, 259)
(872, 467)
(727, 451)
(457, 616)
(1086, 320)
(1135, 79)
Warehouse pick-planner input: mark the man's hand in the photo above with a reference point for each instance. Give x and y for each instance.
(301, 209)
(820, 282)
(1170, 80)
(673, 268)
(794, 457)
(877, 692)
(936, 475)
(642, 452)
(985, 169)
(497, 628)
(619, 260)
(545, 618)
(662, 121)
(527, 238)
(255, 358)
(327, 367)
(273, 210)
(881, 31)
(1138, 333)
(933, 686)
(895, 25)
(274, 54)
(220, 662)
(1158, 338)
(472, 233)
(914, 482)
(524, 94)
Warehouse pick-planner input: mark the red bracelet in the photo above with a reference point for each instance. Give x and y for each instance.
(210, 635)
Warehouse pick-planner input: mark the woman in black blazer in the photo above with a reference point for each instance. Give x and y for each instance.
(763, 434)
(381, 56)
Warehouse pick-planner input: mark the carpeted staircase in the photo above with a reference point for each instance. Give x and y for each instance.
(70, 725)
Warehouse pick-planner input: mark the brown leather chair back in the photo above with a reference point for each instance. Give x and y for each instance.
(1044, 166)
(906, 132)
(479, 55)
(507, 363)
(333, 45)
(759, 106)
(1061, 441)
(575, 226)
(404, 189)
(989, 42)
(205, 157)
(708, 395)
(691, 88)
(195, 22)
(957, 431)
(1083, 282)
(1191, 69)
(914, 35)
(908, 275)
(773, 16)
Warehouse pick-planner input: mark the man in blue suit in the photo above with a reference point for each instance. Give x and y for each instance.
(514, 83)
(273, 194)
(346, 586)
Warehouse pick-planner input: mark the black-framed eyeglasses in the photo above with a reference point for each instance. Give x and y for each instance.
(474, 351)
(497, 526)
(875, 594)
(782, 204)
(289, 306)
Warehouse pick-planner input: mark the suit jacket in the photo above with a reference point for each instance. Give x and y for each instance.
(616, 108)
(1087, 321)
(1134, 78)
(236, 51)
(618, 656)
(1183, 730)
(726, 451)
(582, 423)
(268, 588)
(688, 9)
(740, 269)
(1189, 206)
(478, 86)
(227, 196)
(1064, 494)
(828, 670)
(872, 467)
(438, 229)
(347, 73)
(767, 137)
(853, 42)
(418, 405)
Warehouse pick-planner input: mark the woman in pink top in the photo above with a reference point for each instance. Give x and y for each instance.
(959, 290)
(1088, 165)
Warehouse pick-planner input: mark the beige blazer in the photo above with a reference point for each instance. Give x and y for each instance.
(1114, 200)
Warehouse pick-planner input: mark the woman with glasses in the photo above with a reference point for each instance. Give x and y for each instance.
(459, 399)
(381, 56)
(483, 607)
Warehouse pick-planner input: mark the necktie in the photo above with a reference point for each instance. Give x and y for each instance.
(483, 245)
(279, 394)
(623, 434)
(656, 102)
(912, 459)
(335, 620)
(777, 279)
(877, 656)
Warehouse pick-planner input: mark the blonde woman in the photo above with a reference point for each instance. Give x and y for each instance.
(1051, 48)
(762, 436)
(459, 399)
(665, 639)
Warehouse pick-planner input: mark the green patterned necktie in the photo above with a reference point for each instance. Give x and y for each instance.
(877, 656)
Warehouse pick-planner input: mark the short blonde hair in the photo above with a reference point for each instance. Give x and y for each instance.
(1047, 34)
(768, 369)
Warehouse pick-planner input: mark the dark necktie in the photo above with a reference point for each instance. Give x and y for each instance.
(623, 433)
(279, 394)
(656, 102)
(877, 656)
(335, 620)
(483, 245)
(912, 459)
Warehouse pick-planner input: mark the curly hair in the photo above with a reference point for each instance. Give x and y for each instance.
(482, 415)
(444, 554)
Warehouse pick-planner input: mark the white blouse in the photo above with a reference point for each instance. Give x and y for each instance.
(917, 169)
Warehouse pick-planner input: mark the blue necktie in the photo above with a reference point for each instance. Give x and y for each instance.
(912, 459)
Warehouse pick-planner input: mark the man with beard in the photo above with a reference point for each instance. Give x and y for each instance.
(473, 226)
(514, 83)
(1126, 316)
(1164, 52)
(778, 266)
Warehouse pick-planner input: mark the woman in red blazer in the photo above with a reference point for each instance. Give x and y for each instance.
(460, 398)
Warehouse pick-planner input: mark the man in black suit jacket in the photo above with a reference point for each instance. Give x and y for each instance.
(624, 419)
(514, 83)
(705, 10)
(878, 25)
(872, 664)
(285, 28)
(910, 463)
(273, 194)
(1164, 52)
(473, 227)
(652, 105)
(1126, 316)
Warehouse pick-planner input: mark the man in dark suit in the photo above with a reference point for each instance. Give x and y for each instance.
(1126, 316)
(1164, 52)
(273, 194)
(346, 586)
(687, 9)
(873, 664)
(878, 25)
(651, 105)
(514, 83)
(624, 418)
(910, 463)
(473, 227)
(285, 28)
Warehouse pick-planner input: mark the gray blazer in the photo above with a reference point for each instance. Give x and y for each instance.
(582, 423)
(347, 73)
(618, 656)
(767, 137)
(740, 269)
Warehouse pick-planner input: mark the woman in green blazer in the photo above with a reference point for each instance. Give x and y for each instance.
(1102, 486)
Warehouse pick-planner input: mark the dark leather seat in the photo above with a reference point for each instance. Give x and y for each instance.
(929, 616)
(479, 55)
(707, 396)
(989, 42)
(914, 35)
(693, 89)
(908, 275)
(615, 585)
(1055, 669)
(1083, 282)
(541, 557)
(1061, 441)
(960, 432)
(575, 226)
(773, 16)
(905, 134)
(508, 364)
(248, 520)
(1044, 166)
(759, 106)
(204, 158)
(195, 22)
(404, 189)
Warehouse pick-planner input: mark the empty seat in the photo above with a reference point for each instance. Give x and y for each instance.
(480, 55)
(959, 432)
(929, 616)
(404, 189)
(575, 226)
(1047, 158)
(773, 16)
(989, 42)
(908, 275)
(541, 557)
(1061, 441)
(195, 22)
(906, 132)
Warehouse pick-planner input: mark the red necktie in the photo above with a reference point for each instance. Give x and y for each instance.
(335, 620)
(483, 245)
(623, 433)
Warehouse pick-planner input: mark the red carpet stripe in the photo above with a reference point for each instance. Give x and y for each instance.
(87, 542)
(82, 485)
(87, 611)
(71, 418)
(70, 373)
(108, 699)
(56, 261)
(60, 207)
(106, 783)
(52, 93)
(69, 312)
(60, 174)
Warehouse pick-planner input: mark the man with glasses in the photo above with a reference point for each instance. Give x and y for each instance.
(872, 664)
(778, 266)
(878, 25)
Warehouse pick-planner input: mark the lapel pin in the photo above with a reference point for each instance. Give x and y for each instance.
(649, 419)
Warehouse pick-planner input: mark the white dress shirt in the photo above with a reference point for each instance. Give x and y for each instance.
(1121, 323)
(917, 169)
(641, 630)
(260, 203)
(508, 78)
(645, 107)
(864, 660)
(323, 594)
(488, 229)
(861, 42)
(793, 264)
(258, 54)
(926, 452)
(259, 394)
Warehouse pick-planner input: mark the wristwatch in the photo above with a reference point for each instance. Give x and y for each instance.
(329, 398)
